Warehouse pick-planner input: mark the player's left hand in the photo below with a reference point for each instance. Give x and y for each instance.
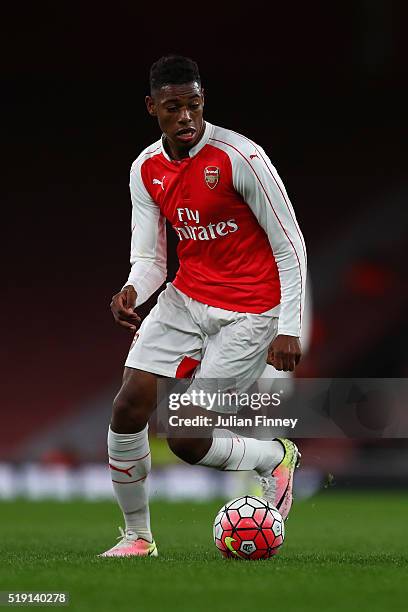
(284, 353)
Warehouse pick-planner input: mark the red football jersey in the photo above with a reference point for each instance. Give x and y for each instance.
(240, 247)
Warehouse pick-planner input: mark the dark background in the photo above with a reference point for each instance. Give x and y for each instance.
(322, 87)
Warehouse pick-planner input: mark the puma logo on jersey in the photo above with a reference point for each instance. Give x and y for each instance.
(254, 155)
(157, 182)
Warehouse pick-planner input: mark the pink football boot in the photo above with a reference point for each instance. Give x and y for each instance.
(131, 545)
(277, 488)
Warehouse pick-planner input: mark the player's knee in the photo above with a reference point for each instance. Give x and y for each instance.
(128, 415)
(132, 407)
(182, 448)
(189, 450)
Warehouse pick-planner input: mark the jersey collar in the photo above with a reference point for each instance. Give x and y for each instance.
(208, 130)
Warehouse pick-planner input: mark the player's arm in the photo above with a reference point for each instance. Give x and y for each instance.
(148, 255)
(258, 182)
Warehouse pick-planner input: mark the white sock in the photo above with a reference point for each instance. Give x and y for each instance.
(230, 452)
(130, 463)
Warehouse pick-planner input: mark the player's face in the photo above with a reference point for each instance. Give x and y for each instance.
(179, 110)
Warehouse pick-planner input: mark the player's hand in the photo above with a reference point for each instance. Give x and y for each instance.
(284, 353)
(123, 308)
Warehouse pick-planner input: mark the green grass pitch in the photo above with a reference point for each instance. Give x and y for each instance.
(342, 552)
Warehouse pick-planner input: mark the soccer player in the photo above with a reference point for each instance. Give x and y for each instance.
(236, 301)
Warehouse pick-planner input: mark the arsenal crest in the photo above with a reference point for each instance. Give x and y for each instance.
(211, 176)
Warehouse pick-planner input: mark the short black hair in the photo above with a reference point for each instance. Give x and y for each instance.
(173, 70)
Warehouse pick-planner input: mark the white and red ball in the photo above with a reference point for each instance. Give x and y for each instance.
(248, 528)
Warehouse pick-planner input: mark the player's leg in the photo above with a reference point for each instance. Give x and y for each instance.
(274, 461)
(235, 353)
(238, 352)
(167, 342)
(228, 451)
(280, 481)
(130, 462)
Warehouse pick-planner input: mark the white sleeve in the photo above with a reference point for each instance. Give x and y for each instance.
(148, 253)
(258, 182)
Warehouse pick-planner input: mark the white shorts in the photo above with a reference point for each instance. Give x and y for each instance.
(184, 338)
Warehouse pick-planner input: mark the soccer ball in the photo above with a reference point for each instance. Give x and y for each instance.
(248, 528)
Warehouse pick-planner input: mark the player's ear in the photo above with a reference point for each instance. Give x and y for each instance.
(150, 105)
